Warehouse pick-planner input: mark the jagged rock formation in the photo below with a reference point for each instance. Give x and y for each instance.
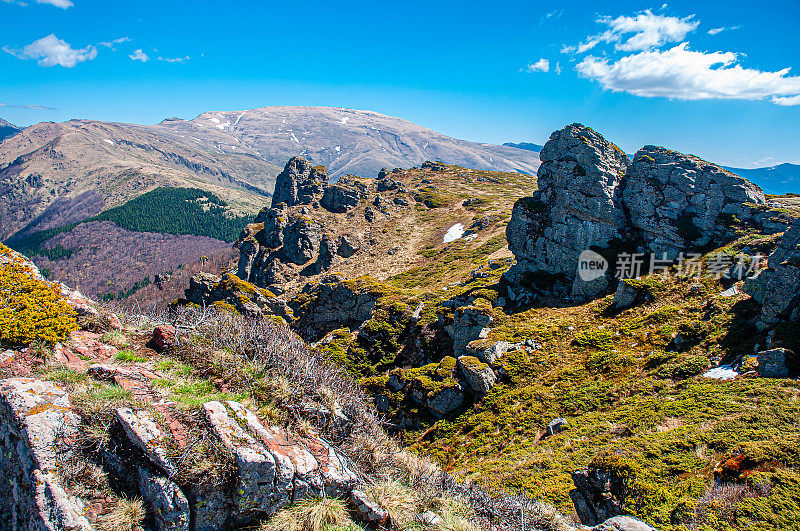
(592, 199)
(777, 288)
(312, 224)
(206, 289)
(299, 182)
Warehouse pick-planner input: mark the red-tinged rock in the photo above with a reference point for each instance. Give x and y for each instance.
(163, 338)
(87, 345)
(114, 323)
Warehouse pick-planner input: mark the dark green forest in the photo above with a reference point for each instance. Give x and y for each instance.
(177, 211)
(166, 210)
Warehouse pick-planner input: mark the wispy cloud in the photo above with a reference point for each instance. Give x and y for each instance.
(555, 15)
(685, 74)
(113, 43)
(52, 51)
(139, 55)
(643, 31)
(542, 65)
(714, 31)
(31, 107)
(174, 59)
(63, 4)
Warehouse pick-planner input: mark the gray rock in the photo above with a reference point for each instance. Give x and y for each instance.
(598, 495)
(628, 295)
(469, 323)
(167, 502)
(775, 363)
(275, 469)
(556, 426)
(479, 376)
(577, 207)
(299, 183)
(35, 416)
(777, 288)
(369, 511)
(369, 214)
(344, 195)
(445, 401)
(142, 430)
(623, 523)
(333, 305)
(489, 351)
(301, 239)
(348, 246)
(678, 202)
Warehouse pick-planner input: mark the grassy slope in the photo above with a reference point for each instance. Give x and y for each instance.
(623, 390)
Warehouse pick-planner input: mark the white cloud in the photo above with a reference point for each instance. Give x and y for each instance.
(714, 31)
(558, 69)
(139, 55)
(63, 4)
(174, 59)
(52, 51)
(786, 100)
(684, 74)
(555, 14)
(112, 43)
(644, 31)
(542, 65)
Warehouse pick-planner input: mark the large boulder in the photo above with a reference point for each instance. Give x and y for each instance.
(679, 202)
(301, 239)
(299, 183)
(35, 418)
(623, 523)
(777, 288)
(469, 324)
(330, 305)
(577, 207)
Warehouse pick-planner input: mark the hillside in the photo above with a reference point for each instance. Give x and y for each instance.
(648, 396)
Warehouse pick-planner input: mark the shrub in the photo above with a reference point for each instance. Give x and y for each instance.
(312, 515)
(31, 309)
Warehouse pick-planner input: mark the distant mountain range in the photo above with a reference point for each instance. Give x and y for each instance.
(780, 179)
(52, 174)
(7, 130)
(524, 145)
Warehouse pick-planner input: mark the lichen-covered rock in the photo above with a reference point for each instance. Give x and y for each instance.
(206, 289)
(679, 202)
(479, 376)
(275, 468)
(598, 495)
(577, 207)
(469, 323)
(777, 288)
(445, 401)
(36, 424)
(331, 305)
(145, 433)
(301, 239)
(299, 182)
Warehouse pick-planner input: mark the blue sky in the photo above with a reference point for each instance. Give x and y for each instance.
(706, 78)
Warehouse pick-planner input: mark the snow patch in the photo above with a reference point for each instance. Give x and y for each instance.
(237, 120)
(218, 124)
(453, 233)
(295, 138)
(338, 149)
(723, 372)
(344, 120)
(108, 141)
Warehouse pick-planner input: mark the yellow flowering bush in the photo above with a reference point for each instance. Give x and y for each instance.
(30, 309)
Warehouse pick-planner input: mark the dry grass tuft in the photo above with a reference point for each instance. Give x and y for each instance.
(401, 502)
(311, 515)
(126, 515)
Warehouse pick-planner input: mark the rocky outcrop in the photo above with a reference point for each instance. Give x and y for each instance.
(36, 424)
(299, 183)
(623, 523)
(599, 494)
(593, 202)
(777, 288)
(206, 289)
(330, 305)
(479, 376)
(679, 202)
(578, 206)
